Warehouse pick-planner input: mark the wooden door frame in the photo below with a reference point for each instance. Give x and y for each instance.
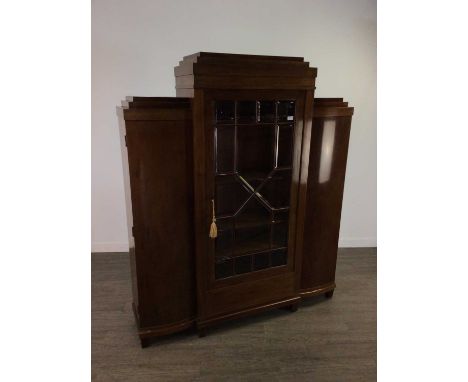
(204, 190)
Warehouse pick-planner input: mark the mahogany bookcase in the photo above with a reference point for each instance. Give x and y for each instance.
(244, 146)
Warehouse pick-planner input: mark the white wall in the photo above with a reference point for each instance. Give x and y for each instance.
(136, 44)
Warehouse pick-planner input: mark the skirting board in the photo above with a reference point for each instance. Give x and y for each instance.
(109, 247)
(353, 242)
(343, 243)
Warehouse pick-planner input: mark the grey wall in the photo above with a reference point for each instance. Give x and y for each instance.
(136, 44)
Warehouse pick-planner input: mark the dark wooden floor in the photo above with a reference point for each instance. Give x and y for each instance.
(325, 340)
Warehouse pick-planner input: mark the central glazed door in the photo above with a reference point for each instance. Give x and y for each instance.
(253, 150)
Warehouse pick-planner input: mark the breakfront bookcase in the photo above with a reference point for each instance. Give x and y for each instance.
(233, 191)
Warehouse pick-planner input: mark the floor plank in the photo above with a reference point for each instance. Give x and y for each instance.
(325, 340)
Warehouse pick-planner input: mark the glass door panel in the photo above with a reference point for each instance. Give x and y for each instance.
(253, 141)
(255, 157)
(224, 139)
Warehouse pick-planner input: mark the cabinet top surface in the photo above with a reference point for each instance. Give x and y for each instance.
(205, 70)
(195, 57)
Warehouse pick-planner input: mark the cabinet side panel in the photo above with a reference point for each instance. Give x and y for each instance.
(128, 205)
(304, 174)
(160, 158)
(327, 168)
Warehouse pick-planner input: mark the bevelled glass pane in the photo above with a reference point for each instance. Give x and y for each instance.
(281, 215)
(243, 264)
(253, 179)
(278, 257)
(229, 195)
(252, 228)
(224, 111)
(267, 111)
(277, 189)
(225, 148)
(224, 268)
(252, 239)
(253, 213)
(256, 150)
(246, 111)
(225, 223)
(286, 111)
(285, 145)
(223, 242)
(261, 261)
(280, 234)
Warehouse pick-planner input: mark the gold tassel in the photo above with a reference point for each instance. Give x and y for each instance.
(213, 228)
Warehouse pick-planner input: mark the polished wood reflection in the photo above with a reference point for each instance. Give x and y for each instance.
(325, 184)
